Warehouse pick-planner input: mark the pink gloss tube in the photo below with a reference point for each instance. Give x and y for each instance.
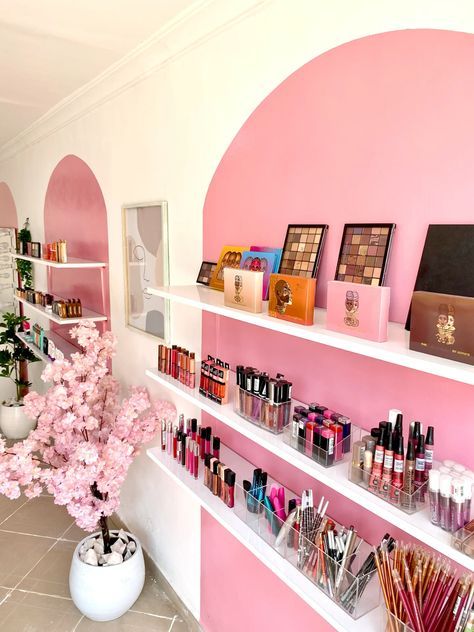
(433, 487)
(467, 498)
(196, 461)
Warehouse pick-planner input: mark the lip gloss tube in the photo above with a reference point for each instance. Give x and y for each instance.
(194, 425)
(192, 370)
(183, 449)
(444, 501)
(207, 460)
(429, 450)
(387, 471)
(191, 457)
(433, 486)
(202, 441)
(398, 467)
(467, 498)
(231, 488)
(420, 468)
(175, 442)
(377, 467)
(169, 437)
(222, 487)
(457, 504)
(212, 460)
(215, 477)
(188, 439)
(216, 445)
(179, 447)
(207, 441)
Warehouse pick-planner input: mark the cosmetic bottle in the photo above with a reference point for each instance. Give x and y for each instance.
(387, 471)
(377, 467)
(457, 504)
(194, 425)
(231, 488)
(370, 443)
(207, 441)
(183, 449)
(179, 446)
(163, 435)
(358, 452)
(216, 445)
(444, 501)
(415, 431)
(434, 495)
(207, 462)
(368, 463)
(175, 442)
(327, 437)
(409, 478)
(429, 450)
(398, 467)
(420, 469)
(467, 481)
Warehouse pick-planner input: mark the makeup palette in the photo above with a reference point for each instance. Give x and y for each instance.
(205, 273)
(364, 253)
(303, 249)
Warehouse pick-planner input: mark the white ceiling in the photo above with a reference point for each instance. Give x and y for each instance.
(50, 48)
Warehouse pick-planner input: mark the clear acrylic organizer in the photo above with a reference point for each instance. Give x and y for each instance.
(463, 540)
(337, 451)
(393, 623)
(257, 410)
(354, 590)
(409, 503)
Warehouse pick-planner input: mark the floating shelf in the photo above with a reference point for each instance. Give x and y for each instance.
(66, 347)
(394, 351)
(291, 576)
(417, 525)
(72, 262)
(88, 314)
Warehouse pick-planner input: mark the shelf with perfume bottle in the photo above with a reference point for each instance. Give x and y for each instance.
(64, 346)
(417, 525)
(72, 262)
(87, 314)
(394, 351)
(263, 551)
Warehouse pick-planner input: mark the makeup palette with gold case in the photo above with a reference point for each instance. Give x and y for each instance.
(292, 298)
(364, 252)
(243, 289)
(303, 249)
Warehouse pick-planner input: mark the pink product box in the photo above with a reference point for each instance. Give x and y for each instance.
(358, 310)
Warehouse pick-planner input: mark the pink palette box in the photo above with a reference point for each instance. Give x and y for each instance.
(358, 310)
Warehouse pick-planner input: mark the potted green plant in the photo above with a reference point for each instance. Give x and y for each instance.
(14, 424)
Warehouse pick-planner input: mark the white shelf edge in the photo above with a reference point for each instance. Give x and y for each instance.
(417, 525)
(66, 347)
(72, 263)
(394, 351)
(88, 314)
(286, 572)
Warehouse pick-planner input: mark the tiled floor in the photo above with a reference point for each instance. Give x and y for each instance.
(37, 539)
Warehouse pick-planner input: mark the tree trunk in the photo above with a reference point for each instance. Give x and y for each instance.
(105, 534)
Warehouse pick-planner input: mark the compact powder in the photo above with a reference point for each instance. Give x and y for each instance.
(205, 273)
(303, 249)
(363, 256)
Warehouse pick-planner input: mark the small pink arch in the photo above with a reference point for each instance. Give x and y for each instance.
(75, 210)
(8, 214)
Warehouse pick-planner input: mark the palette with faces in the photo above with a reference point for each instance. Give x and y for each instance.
(303, 249)
(364, 252)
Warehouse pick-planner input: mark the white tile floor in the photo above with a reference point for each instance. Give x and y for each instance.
(37, 539)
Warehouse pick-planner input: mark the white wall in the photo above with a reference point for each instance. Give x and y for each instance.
(156, 128)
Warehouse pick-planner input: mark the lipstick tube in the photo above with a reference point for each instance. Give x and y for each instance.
(308, 440)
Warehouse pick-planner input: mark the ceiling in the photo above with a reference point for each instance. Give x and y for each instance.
(50, 48)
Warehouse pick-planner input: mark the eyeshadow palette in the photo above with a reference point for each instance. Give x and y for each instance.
(205, 273)
(303, 249)
(364, 253)
(447, 254)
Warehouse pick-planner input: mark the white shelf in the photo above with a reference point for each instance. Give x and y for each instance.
(87, 314)
(290, 575)
(394, 351)
(66, 347)
(417, 525)
(72, 262)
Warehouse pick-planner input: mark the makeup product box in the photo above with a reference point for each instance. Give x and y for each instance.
(358, 310)
(442, 325)
(243, 289)
(292, 298)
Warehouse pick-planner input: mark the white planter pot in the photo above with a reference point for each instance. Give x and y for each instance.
(14, 424)
(104, 593)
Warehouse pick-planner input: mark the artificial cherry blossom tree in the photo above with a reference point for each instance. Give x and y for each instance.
(86, 437)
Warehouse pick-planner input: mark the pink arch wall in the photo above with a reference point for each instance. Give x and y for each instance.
(74, 210)
(379, 129)
(8, 215)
